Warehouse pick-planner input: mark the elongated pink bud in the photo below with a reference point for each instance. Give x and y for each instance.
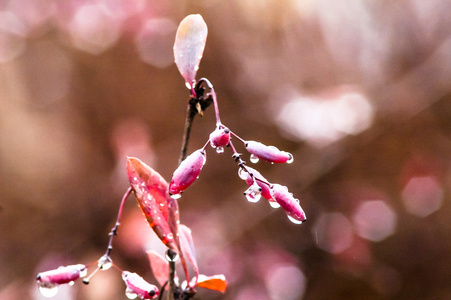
(220, 137)
(291, 205)
(268, 153)
(187, 172)
(138, 287)
(61, 275)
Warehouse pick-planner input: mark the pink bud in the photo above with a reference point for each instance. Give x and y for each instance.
(268, 153)
(138, 287)
(187, 172)
(61, 275)
(289, 203)
(220, 137)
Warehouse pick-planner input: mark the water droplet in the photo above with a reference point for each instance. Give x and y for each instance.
(196, 68)
(254, 159)
(48, 291)
(130, 294)
(253, 193)
(291, 159)
(188, 85)
(219, 150)
(170, 236)
(174, 258)
(83, 272)
(104, 263)
(242, 173)
(71, 283)
(176, 196)
(274, 204)
(295, 221)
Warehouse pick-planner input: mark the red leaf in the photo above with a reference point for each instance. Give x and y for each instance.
(151, 192)
(215, 282)
(159, 266)
(189, 46)
(187, 244)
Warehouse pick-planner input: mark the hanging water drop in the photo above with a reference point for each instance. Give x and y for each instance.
(219, 150)
(295, 221)
(171, 255)
(254, 159)
(291, 159)
(176, 196)
(130, 294)
(48, 290)
(274, 204)
(253, 193)
(242, 173)
(83, 272)
(104, 263)
(188, 85)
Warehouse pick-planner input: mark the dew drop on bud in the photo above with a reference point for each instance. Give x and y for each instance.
(274, 204)
(104, 263)
(291, 159)
(130, 294)
(188, 86)
(295, 221)
(176, 196)
(254, 159)
(219, 150)
(48, 291)
(242, 173)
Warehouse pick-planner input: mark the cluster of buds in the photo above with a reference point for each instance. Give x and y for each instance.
(188, 50)
(49, 281)
(277, 195)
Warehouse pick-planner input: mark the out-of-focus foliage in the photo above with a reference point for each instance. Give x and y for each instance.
(357, 91)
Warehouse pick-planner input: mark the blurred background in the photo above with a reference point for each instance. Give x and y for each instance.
(358, 91)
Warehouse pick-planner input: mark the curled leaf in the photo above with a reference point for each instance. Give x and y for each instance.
(189, 47)
(187, 244)
(215, 282)
(159, 266)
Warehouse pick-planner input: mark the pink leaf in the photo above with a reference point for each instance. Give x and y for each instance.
(151, 192)
(215, 282)
(187, 244)
(159, 266)
(189, 47)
